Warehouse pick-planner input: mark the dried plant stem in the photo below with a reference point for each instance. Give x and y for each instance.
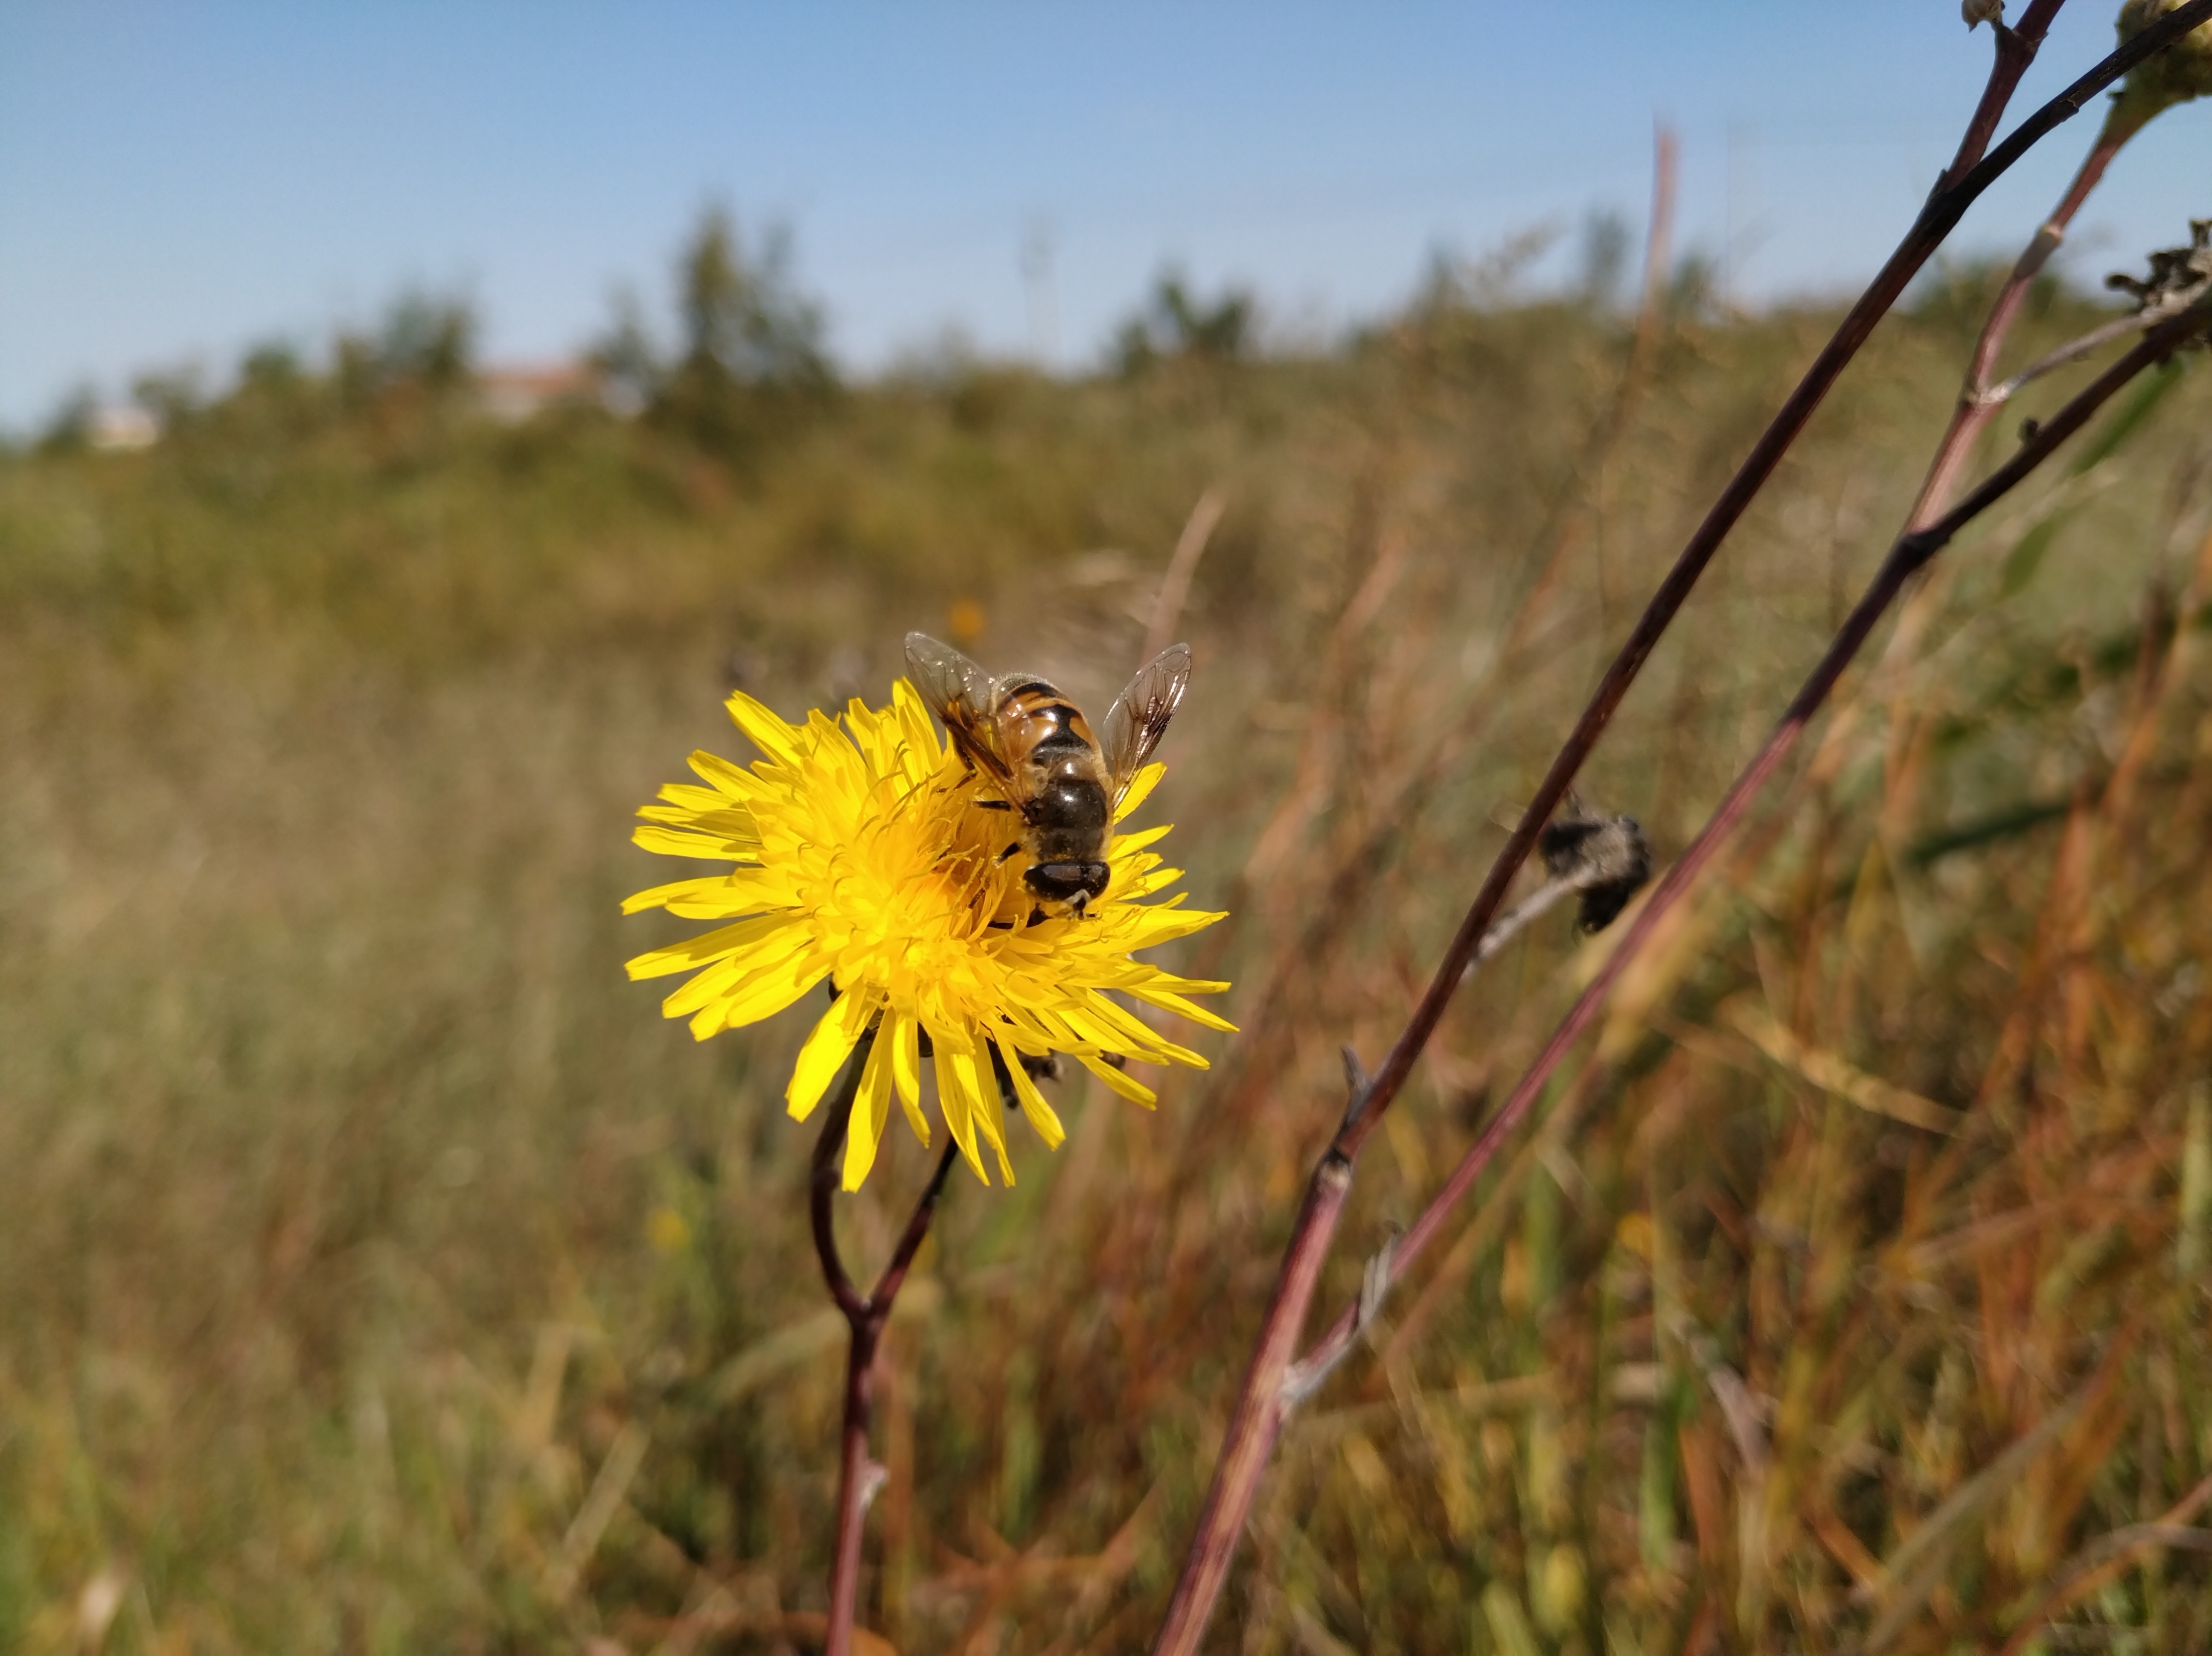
(1175, 586)
(1256, 1420)
(1906, 559)
(2107, 1557)
(866, 1316)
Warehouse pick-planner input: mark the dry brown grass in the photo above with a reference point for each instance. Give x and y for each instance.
(380, 1273)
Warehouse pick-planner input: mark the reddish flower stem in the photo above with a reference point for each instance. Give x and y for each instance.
(1976, 407)
(866, 1316)
(1261, 1405)
(2016, 50)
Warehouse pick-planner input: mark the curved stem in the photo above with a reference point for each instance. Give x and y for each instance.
(823, 1181)
(858, 1478)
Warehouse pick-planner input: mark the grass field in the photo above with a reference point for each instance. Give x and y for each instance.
(378, 1272)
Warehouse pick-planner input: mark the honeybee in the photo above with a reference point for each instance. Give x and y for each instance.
(1034, 748)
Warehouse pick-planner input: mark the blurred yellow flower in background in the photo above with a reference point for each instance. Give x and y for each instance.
(668, 1230)
(964, 621)
(865, 861)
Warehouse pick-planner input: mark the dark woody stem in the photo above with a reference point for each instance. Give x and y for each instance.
(866, 1316)
(1270, 1387)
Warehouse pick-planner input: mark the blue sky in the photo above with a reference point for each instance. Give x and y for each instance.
(178, 182)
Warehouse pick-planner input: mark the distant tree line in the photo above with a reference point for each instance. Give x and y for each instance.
(744, 359)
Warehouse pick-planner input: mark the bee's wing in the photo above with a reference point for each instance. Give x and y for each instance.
(966, 697)
(1139, 716)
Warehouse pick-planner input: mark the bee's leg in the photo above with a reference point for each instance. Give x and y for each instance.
(993, 804)
(1010, 850)
(1012, 1098)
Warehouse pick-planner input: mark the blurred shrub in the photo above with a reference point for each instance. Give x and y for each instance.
(751, 361)
(1175, 324)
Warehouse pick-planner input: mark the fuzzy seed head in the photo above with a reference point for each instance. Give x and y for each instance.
(2180, 72)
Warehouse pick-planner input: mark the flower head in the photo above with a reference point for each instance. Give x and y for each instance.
(865, 861)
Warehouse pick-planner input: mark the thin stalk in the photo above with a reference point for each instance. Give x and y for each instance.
(2073, 351)
(866, 1315)
(1256, 1419)
(1261, 1407)
(1977, 403)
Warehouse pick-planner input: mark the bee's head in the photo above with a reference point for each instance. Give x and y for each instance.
(1070, 885)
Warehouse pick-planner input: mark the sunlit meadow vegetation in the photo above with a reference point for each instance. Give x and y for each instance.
(378, 1272)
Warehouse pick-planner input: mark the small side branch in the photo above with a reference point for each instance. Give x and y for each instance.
(2016, 47)
(824, 1182)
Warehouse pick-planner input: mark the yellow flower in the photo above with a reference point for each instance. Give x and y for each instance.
(865, 861)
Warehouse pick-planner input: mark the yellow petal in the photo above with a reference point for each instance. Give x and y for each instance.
(741, 892)
(700, 801)
(737, 981)
(706, 990)
(953, 1104)
(719, 944)
(1040, 1114)
(832, 1042)
(972, 1074)
(730, 779)
(905, 1036)
(678, 842)
(770, 733)
(767, 992)
(660, 896)
(1138, 1038)
(732, 823)
(1182, 1008)
(1119, 1082)
(1126, 846)
(1140, 789)
(1145, 882)
(870, 1111)
(1163, 925)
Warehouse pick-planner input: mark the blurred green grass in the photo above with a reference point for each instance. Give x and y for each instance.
(380, 1273)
